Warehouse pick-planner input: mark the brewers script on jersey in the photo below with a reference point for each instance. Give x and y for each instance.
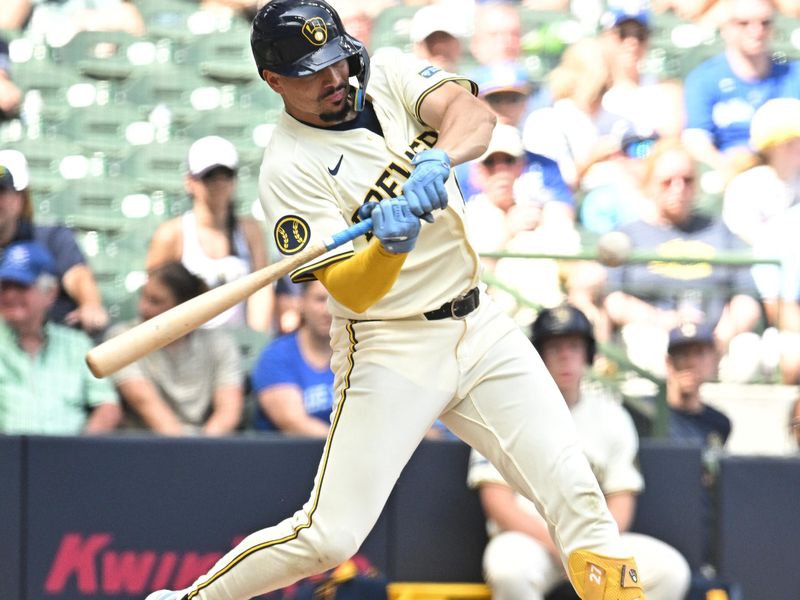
(397, 370)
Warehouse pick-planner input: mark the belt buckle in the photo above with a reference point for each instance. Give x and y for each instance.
(455, 304)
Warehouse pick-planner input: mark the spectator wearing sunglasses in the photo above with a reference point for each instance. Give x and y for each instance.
(723, 93)
(507, 215)
(506, 89)
(210, 239)
(647, 300)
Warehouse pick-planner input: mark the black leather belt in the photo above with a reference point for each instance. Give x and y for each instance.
(456, 309)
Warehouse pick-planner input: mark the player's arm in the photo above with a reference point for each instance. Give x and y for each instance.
(500, 504)
(283, 404)
(361, 280)
(464, 123)
(465, 126)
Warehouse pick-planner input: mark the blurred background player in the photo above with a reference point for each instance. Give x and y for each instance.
(521, 560)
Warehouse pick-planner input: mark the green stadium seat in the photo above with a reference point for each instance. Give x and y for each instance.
(158, 167)
(103, 130)
(166, 83)
(392, 26)
(111, 204)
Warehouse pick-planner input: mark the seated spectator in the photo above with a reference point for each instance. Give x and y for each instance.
(647, 300)
(436, 37)
(764, 191)
(497, 33)
(691, 361)
(620, 201)
(521, 559)
(193, 386)
(506, 88)
(723, 93)
(10, 94)
(293, 377)
(576, 131)
(14, 14)
(518, 212)
(210, 239)
(652, 106)
(779, 286)
(45, 386)
(79, 302)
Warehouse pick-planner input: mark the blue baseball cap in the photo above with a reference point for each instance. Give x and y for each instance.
(614, 16)
(502, 77)
(688, 334)
(24, 262)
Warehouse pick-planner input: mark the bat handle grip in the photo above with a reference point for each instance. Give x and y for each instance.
(349, 234)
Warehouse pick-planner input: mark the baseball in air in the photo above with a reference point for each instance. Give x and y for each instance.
(613, 248)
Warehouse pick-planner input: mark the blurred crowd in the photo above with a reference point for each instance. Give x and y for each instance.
(702, 165)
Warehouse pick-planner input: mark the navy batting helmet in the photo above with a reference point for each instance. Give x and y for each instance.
(563, 320)
(300, 37)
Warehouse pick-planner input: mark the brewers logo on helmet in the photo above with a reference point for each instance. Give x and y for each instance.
(563, 320)
(298, 38)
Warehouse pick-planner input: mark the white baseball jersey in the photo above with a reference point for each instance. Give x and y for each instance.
(314, 180)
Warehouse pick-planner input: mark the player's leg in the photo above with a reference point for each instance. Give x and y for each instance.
(665, 573)
(512, 412)
(517, 567)
(378, 421)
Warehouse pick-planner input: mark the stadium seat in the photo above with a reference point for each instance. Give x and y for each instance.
(158, 167)
(102, 130)
(392, 26)
(167, 83)
(111, 204)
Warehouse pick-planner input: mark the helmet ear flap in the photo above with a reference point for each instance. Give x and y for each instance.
(359, 67)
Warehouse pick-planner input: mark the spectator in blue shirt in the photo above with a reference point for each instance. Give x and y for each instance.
(723, 93)
(293, 377)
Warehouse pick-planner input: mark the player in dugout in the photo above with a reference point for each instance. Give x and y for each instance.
(414, 335)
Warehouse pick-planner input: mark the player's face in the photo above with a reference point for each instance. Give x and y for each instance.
(565, 358)
(319, 99)
(155, 299)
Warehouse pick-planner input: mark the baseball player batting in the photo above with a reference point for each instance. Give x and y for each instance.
(414, 336)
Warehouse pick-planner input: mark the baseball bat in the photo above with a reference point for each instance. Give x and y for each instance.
(155, 333)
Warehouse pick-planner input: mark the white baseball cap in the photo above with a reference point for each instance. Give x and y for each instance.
(505, 139)
(432, 18)
(210, 152)
(17, 164)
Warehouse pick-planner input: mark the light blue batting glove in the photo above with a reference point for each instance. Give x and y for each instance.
(394, 225)
(424, 191)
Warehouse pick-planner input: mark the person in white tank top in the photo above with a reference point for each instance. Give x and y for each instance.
(209, 239)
